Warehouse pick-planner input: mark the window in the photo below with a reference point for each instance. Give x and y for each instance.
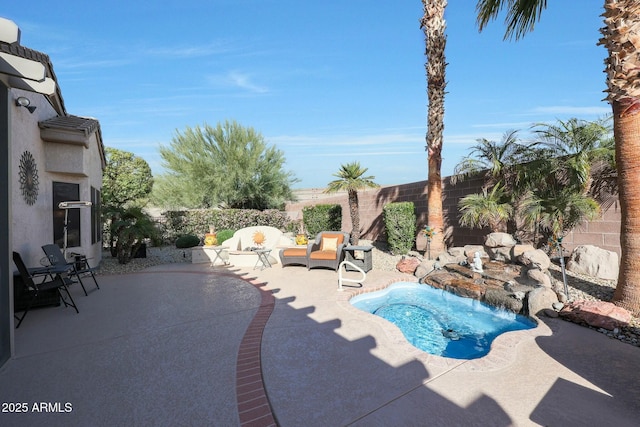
(96, 222)
(65, 192)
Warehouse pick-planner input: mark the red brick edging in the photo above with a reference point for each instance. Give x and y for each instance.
(254, 408)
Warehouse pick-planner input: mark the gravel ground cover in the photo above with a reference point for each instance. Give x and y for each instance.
(580, 287)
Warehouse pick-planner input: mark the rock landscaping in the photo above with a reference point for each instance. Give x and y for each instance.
(523, 279)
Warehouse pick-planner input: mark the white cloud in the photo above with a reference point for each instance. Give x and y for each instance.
(235, 79)
(243, 81)
(214, 48)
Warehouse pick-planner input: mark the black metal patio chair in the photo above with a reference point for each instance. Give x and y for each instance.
(58, 282)
(76, 269)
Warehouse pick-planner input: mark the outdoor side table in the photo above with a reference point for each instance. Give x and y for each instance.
(218, 250)
(362, 256)
(263, 258)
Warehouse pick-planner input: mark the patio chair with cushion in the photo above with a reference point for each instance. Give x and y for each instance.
(327, 249)
(78, 268)
(32, 288)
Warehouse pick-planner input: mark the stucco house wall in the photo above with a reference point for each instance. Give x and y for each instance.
(53, 146)
(32, 225)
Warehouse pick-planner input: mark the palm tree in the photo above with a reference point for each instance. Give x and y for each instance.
(554, 210)
(433, 25)
(498, 159)
(489, 209)
(620, 36)
(131, 227)
(576, 145)
(351, 179)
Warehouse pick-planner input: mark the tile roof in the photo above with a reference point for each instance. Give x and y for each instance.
(20, 51)
(86, 125)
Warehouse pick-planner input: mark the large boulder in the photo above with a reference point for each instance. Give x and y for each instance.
(500, 253)
(535, 259)
(470, 251)
(540, 299)
(504, 299)
(426, 267)
(457, 252)
(519, 249)
(408, 265)
(495, 240)
(451, 257)
(595, 262)
(599, 314)
(540, 277)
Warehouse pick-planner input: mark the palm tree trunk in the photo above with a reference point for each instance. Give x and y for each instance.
(354, 209)
(434, 204)
(433, 25)
(621, 37)
(627, 135)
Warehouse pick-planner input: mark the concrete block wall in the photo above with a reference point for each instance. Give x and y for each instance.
(604, 232)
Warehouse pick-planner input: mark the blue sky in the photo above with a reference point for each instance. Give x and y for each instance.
(325, 82)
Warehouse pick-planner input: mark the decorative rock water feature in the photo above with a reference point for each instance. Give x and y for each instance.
(501, 273)
(516, 277)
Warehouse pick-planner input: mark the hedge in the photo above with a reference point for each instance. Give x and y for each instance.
(197, 221)
(321, 218)
(400, 223)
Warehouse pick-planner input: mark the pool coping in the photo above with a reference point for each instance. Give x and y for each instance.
(254, 407)
(503, 348)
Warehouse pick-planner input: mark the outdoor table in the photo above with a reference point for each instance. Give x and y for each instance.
(218, 250)
(50, 271)
(365, 263)
(263, 258)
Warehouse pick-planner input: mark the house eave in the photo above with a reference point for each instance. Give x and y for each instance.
(65, 136)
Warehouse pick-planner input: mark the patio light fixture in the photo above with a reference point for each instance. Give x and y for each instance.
(21, 101)
(66, 206)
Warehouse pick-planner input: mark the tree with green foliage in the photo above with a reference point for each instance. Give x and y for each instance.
(126, 180)
(496, 159)
(582, 151)
(351, 179)
(126, 184)
(228, 165)
(489, 209)
(130, 227)
(400, 226)
(542, 188)
(620, 35)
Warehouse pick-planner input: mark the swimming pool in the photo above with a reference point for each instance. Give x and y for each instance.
(440, 322)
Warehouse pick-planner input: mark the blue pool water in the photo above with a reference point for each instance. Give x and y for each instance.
(440, 322)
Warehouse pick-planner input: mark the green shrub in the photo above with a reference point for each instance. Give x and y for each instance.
(198, 221)
(223, 235)
(293, 226)
(322, 218)
(400, 224)
(187, 241)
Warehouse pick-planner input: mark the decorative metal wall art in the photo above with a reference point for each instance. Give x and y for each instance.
(28, 178)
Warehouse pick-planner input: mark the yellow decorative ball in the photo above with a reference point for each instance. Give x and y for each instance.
(210, 239)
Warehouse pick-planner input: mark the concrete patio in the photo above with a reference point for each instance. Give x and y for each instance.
(166, 346)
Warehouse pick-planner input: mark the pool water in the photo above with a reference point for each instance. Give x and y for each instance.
(440, 322)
